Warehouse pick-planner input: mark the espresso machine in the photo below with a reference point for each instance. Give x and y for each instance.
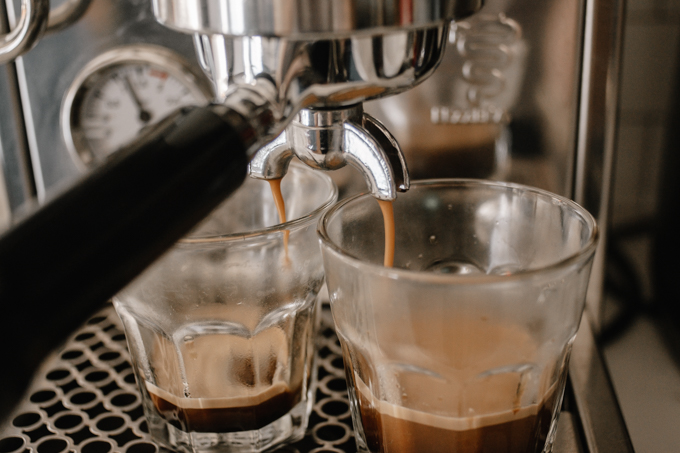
(527, 91)
(296, 71)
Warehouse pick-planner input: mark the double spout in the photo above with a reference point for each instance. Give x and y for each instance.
(330, 139)
(304, 94)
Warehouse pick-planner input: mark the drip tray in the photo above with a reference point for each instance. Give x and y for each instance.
(85, 399)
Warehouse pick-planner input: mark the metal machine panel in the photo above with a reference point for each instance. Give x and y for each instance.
(49, 69)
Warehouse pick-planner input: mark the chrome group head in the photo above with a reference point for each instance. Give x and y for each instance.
(282, 61)
(299, 70)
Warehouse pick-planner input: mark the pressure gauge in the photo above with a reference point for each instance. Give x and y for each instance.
(120, 93)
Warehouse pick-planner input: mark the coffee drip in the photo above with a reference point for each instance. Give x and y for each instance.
(387, 209)
(275, 185)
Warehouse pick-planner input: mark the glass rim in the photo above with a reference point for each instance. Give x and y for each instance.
(279, 227)
(400, 273)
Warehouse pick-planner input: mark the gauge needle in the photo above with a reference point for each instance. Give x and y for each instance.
(144, 115)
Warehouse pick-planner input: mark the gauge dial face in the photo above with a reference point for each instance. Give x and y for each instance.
(114, 99)
(127, 99)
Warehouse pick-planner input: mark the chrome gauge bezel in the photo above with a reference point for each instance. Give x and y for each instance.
(93, 72)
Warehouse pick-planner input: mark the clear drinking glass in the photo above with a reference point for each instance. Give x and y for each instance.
(221, 328)
(463, 345)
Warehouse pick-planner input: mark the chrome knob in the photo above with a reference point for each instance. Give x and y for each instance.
(31, 25)
(36, 19)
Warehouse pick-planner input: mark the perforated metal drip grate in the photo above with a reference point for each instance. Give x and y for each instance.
(85, 399)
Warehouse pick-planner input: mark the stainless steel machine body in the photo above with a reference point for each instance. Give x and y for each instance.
(284, 56)
(37, 160)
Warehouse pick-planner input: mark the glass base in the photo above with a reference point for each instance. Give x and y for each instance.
(289, 428)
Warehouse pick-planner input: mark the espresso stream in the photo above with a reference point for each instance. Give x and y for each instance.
(275, 185)
(387, 209)
(385, 206)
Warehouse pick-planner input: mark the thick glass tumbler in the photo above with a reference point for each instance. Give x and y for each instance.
(221, 328)
(463, 345)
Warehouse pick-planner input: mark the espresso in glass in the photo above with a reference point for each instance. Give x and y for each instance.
(395, 429)
(471, 400)
(221, 328)
(462, 344)
(227, 383)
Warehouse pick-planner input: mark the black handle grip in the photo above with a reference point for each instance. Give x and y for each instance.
(59, 265)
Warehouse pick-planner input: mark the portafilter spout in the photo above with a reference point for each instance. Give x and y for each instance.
(330, 139)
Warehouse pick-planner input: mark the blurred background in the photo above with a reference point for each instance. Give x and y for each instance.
(641, 304)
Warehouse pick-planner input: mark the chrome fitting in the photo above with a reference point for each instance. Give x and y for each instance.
(330, 139)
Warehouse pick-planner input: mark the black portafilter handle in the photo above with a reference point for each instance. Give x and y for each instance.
(58, 266)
